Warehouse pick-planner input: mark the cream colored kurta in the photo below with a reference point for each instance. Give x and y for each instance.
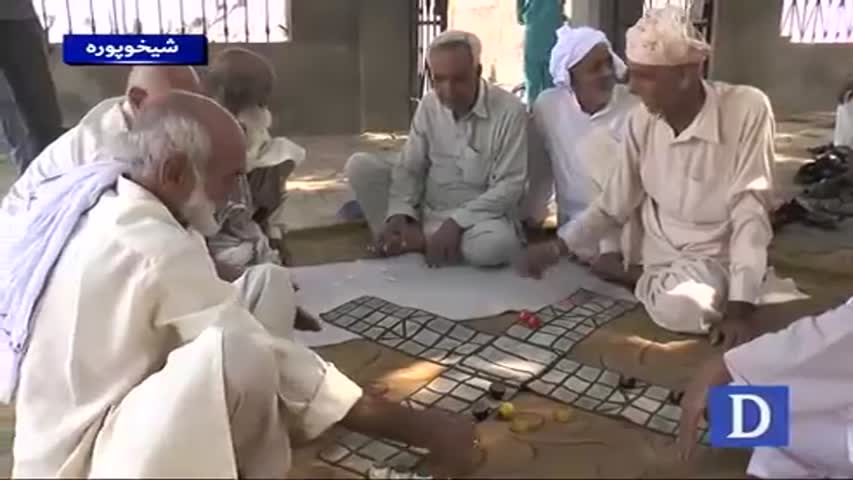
(812, 358)
(704, 198)
(124, 373)
(75, 147)
(472, 169)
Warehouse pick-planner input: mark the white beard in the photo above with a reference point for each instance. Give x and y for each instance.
(257, 122)
(200, 213)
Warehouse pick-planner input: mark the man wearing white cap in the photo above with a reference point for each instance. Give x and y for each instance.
(455, 191)
(576, 128)
(698, 163)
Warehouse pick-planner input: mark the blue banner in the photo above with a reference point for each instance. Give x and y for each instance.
(749, 416)
(135, 49)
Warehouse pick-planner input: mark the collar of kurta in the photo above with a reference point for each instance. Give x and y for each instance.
(127, 188)
(706, 125)
(480, 108)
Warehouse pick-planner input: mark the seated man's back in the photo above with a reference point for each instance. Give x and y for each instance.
(102, 325)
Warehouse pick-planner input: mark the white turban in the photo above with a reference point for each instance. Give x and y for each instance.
(573, 44)
(450, 37)
(665, 36)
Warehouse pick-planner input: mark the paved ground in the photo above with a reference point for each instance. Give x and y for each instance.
(587, 446)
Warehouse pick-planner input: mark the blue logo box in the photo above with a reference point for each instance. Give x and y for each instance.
(134, 49)
(749, 416)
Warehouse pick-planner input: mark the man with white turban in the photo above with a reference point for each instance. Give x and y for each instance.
(575, 130)
(455, 191)
(698, 163)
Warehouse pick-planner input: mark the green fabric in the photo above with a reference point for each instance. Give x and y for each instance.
(541, 19)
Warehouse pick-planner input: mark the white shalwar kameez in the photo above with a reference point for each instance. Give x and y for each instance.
(812, 358)
(704, 198)
(127, 372)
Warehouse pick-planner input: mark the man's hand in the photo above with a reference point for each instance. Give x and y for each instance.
(444, 246)
(450, 438)
(694, 401)
(736, 327)
(453, 445)
(397, 237)
(538, 258)
(279, 245)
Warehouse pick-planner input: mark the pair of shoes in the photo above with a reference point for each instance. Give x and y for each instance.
(800, 210)
(831, 163)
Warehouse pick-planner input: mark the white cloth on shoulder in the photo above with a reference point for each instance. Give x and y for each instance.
(30, 244)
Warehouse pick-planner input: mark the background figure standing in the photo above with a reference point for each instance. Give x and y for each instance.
(28, 73)
(17, 137)
(541, 19)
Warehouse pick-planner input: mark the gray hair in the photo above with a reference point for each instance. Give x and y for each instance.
(458, 38)
(150, 142)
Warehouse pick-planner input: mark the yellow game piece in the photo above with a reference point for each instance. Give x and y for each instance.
(506, 411)
(519, 426)
(562, 415)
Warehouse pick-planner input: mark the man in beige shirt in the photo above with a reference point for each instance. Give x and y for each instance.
(697, 162)
(454, 193)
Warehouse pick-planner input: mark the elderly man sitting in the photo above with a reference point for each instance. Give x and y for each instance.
(242, 81)
(132, 359)
(698, 163)
(576, 128)
(454, 192)
(98, 128)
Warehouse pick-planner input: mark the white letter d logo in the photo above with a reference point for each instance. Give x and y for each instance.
(738, 420)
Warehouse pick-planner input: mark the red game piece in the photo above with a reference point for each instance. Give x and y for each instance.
(534, 322)
(529, 319)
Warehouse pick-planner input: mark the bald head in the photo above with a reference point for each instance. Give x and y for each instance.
(186, 144)
(145, 82)
(240, 79)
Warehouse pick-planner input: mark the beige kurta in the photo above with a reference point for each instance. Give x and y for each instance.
(472, 169)
(75, 147)
(704, 198)
(124, 373)
(812, 358)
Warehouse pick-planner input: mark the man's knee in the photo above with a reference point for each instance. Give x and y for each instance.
(361, 167)
(490, 244)
(268, 292)
(250, 372)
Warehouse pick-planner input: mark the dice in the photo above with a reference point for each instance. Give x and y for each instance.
(529, 319)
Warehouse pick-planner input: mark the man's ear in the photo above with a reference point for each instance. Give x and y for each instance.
(176, 172)
(137, 97)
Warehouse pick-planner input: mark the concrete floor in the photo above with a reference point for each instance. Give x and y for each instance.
(318, 189)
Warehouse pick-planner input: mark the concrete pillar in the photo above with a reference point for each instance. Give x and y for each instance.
(385, 63)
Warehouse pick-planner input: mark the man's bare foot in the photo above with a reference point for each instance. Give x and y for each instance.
(609, 267)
